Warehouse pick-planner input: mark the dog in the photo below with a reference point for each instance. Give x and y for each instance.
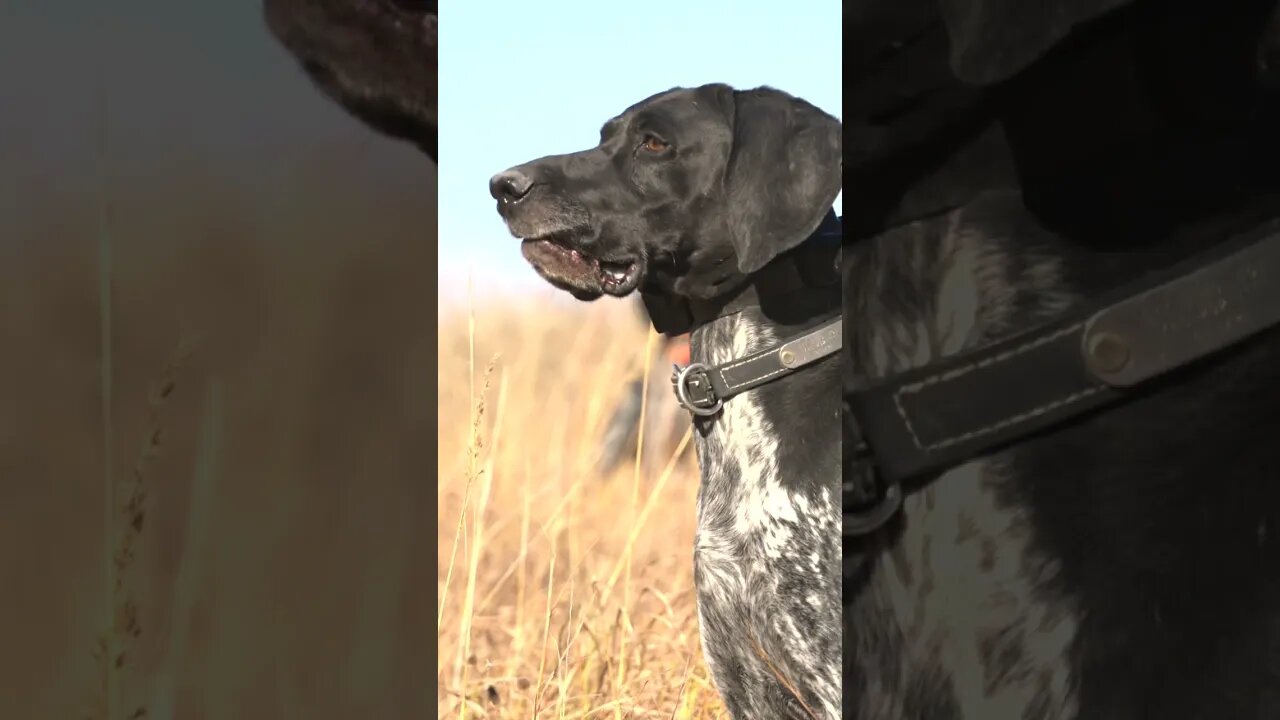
(690, 198)
(1123, 566)
(1123, 563)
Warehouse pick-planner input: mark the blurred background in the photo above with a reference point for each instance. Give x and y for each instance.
(565, 558)
(166, 170)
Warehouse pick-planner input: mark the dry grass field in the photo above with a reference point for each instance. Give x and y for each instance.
(561, 593)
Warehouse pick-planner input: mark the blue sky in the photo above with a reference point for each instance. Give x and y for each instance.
(536, 79)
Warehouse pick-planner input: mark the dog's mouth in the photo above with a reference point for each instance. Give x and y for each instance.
(567, 267)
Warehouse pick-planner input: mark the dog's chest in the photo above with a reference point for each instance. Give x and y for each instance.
(767, 550)
(958, 618)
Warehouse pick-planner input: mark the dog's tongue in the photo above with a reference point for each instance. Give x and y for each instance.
(580, 261)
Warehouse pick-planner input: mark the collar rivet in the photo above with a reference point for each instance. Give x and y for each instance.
(1108, 353)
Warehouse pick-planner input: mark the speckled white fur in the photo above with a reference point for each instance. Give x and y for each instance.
(767, 551)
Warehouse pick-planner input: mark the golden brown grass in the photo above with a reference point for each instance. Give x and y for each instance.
(562, 594)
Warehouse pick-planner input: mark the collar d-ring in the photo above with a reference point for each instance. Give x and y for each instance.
(694, 391)
(858, 523)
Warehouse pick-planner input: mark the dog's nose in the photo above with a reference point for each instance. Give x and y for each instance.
(509, 186)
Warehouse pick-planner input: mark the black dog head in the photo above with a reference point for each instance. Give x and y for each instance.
(688, 192)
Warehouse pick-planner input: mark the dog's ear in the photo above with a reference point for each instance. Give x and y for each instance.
(783, 173)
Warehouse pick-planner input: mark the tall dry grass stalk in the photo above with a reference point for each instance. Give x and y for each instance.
(635, 501)
(576, 597)
(124, 526)
(105, 647)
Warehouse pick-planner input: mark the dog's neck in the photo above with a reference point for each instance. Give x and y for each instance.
(798, 285)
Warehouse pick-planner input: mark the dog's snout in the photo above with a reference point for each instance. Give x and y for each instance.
(509, 186)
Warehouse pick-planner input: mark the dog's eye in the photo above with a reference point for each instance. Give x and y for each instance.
(653, 144)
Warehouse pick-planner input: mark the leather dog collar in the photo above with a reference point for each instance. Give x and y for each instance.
(702, 390)
(941, 415)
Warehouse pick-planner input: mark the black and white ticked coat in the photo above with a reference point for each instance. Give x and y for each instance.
(767, 554)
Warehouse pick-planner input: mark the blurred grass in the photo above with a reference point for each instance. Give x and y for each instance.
(562, 594)
(293, 579)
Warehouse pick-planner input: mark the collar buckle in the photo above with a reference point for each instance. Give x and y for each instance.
(693, 389)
